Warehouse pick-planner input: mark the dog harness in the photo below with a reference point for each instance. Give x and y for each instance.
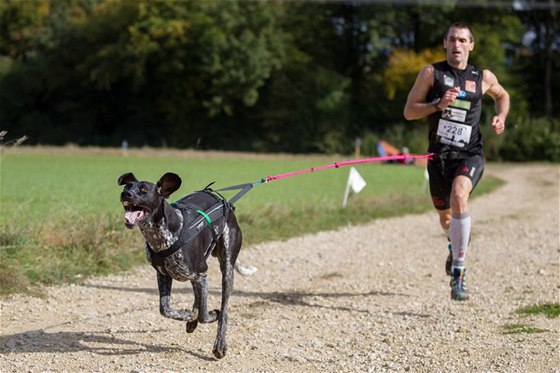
(200, 210)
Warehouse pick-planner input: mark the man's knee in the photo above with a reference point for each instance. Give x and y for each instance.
(460, 193)
(459, 199)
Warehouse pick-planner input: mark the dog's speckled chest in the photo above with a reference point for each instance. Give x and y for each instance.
(175, 267)
(160, 238)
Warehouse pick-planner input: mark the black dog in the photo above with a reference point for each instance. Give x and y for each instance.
(179, 239)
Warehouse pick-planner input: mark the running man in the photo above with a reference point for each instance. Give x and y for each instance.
(449, 93)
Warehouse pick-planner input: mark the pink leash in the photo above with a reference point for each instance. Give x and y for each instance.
(244, 188)
(349, 163)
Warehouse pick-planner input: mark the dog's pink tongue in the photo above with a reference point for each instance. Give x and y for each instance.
(132, 217)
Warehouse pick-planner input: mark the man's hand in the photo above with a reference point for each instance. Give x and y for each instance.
(498, 124)
(449, 96)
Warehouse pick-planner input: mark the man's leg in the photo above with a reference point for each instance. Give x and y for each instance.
(440, 189)
(460, 224)
(445, 222)
(459, 232)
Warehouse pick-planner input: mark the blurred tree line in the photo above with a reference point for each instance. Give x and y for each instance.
(268, 76)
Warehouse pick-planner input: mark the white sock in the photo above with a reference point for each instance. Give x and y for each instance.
(460, 230)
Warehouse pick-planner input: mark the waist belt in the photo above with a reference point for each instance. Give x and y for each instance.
(453, 155)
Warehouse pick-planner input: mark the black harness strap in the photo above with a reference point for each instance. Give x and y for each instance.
(158, 256)
(204, 220)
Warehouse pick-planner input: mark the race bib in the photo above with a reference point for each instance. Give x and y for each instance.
(451, 133)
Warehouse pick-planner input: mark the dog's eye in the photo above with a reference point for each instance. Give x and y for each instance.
(144, 189)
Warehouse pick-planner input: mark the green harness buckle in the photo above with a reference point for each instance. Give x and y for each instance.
(205, 216)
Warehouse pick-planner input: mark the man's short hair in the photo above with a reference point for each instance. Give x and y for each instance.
(462, 25)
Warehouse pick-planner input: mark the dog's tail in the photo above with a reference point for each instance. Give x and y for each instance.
(244, 271)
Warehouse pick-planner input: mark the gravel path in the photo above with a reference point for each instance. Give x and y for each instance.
(371, 298)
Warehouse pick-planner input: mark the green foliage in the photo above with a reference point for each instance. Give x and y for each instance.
(20, 21)
(154, 63)
(532, 139)
(250, 75)
(304, 109)
(489, 50)
(412, 135)
(305, 105)
(220, 51)
(540, 67)
(403, 67)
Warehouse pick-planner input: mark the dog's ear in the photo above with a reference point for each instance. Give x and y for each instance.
(167, 184)
(126, 178)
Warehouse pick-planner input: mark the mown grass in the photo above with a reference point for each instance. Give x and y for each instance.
(61, 219)
(550, 310)
(521, 328)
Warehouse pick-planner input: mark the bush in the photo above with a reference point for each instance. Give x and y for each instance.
(412, 135)
(532, 140)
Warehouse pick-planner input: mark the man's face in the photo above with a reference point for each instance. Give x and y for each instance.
(458, 45)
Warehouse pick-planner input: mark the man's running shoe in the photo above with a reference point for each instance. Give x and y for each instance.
(459, 284)
(448, 261)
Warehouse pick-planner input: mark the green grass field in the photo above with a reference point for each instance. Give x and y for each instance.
(61, 219)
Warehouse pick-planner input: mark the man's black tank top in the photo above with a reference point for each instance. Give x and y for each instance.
(456, 128)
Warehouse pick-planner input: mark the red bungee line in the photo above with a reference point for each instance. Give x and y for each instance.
(349, 163)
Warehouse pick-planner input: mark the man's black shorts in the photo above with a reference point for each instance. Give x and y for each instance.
(442, 173)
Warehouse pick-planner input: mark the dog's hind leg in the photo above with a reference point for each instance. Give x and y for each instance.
(227, 255)
(220, 345)
(164, 286)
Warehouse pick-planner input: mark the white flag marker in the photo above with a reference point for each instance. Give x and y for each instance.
(355, 182)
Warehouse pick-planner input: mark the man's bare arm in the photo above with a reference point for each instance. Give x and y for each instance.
(416, 106)
(494, 89)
